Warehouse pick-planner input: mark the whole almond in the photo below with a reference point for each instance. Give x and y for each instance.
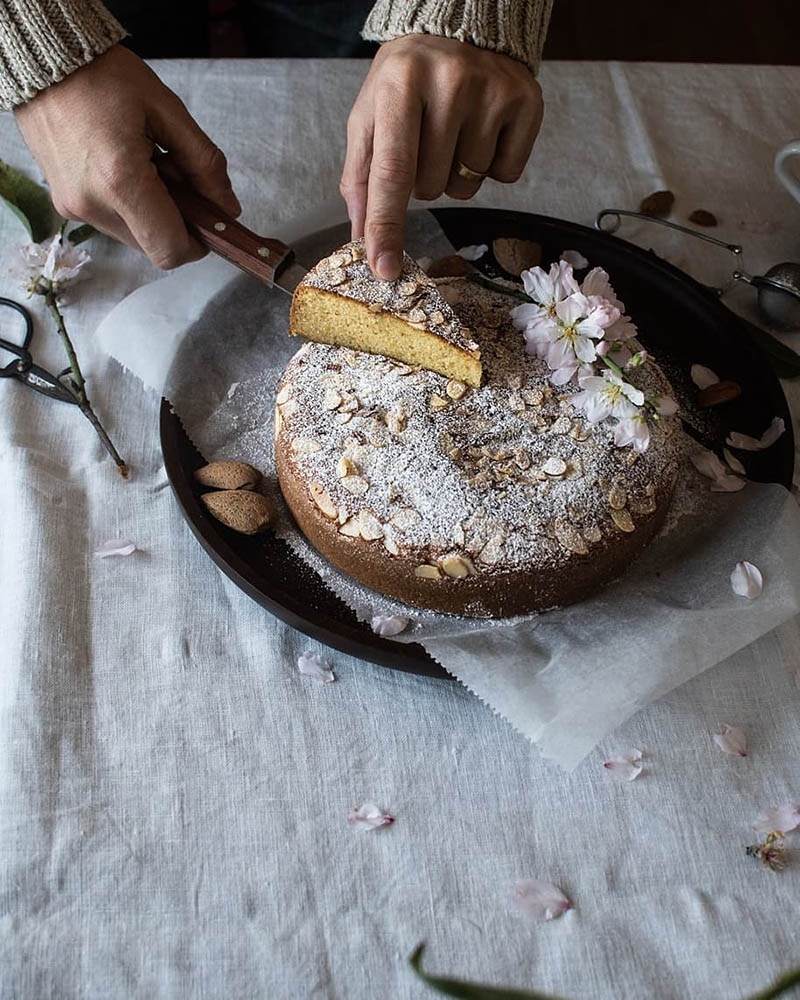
(228, 475)
(516, 256)
(718, 393)
(658, 204)
(700, 217)
(247, 513)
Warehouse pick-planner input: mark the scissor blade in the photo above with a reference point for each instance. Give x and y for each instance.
(290, 276)
(45, 383)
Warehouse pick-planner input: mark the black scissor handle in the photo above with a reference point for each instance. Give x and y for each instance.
(21, 350)
(23, 368)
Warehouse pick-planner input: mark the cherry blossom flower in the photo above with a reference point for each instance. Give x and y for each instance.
(368, 817)
(634, 431)
(540, 900)
(710, 466)
(733, 462)
(732, 740)
(115, 547)
(743, 442)
(389, 625)
(626, 767)
(548, 288)
(703, 377)
(314, 666)
(778, 819)
(53, 261)
(607, 395)
(746, 580)
(771, 853)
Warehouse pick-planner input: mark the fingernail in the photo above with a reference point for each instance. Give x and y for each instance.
(388, 265)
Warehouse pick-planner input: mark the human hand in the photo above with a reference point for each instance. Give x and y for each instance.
(94, 135)
(427, 105)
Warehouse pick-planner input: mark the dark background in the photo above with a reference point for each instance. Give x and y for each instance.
(673, 30)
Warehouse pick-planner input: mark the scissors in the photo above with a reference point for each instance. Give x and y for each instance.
(23, 368)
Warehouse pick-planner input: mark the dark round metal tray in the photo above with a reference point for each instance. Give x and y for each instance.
(679, 320)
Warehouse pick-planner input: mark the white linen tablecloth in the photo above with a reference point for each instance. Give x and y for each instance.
(173, 793)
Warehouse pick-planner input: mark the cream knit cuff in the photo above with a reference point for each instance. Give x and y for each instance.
(516, 28)
(42, 41)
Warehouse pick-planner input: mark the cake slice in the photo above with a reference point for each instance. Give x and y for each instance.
(340, 301)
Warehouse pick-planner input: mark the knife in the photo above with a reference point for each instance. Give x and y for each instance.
(265, 258)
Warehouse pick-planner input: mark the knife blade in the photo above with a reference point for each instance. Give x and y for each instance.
(268, 259)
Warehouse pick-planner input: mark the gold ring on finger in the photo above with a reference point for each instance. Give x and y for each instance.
(468, 173)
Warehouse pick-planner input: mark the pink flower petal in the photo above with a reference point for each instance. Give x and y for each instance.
(474, 252)
(707, 464)
(314, 666)
(115, 547)
(575, 259)
(733, 462)
(743, 442)
(781, 819)
(368, 817)
(732, 740)
(728, 484)
(626, 767)
(746, 580)
(703, 377)
(540, 900)
(388, 625)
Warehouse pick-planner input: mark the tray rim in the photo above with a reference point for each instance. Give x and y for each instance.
(341, 635)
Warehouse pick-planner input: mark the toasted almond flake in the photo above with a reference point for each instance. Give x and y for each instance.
(492, 551)
(305, 445)
(455, 390)
(580, 432)
(416, 315)
(289, 407)
(400, 370)
(459, 538)
(533, 397)
(703, 377)
(623, 520)
(569, 536)
(408, 287)
(428, 572)
(344, 417)
(642, 505)
(617, 498)
(592, 533)
(396, 422)
(516, 403)
(283, 396)
(437, 318)
(331, 399)
(390, 544)
(322, 499)
(351, 528)
(562, 426)
(356, 485)
(438, 402)
(405, 518)
(345, 467)
(371, 527)
(574, 468)
(554, 466)
(746, 580)
(454, 566)
(522, 459)
(358, 253)
(344, 514)
(392, 492)
(375, 307)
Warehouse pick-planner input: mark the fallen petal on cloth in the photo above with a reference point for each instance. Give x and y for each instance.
(733, 462)
(575, 258)
(703, 377)
(777, 819)
(368, 817)
(746, 580)
(540, 900)
(626, 767)
(732, 740)
(115, 547)
(389, 625)
(473, 252)
(746, 443)
(314, 666)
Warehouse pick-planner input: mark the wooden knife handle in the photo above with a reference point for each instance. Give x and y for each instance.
(257, 255)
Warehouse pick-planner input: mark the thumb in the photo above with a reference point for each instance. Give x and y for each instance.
(195, 156)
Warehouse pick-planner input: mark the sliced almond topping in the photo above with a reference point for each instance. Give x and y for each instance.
(345, 467)
(371, 527)
(454, 566)
(350, 403)
(522, 459)
(323, 500)
(331, 399)
(375, 307)
(428, 572)
(458, 534)
(398, 370)
(392, 492)
(278, 422)
(516, 403)
(592, 533)
(623, 520)
(562, 425)
(409, 287)
(569, 536)
(396, 422)
(336, 276)
(438, 402)
(617, 498)
(644, 505)
(356, 485)
(554, 466)
(343, 515)
(455, 389)
(650, 489)
(492, 551)
(283, 396)
(405, 518)
(574, 468)
(351, 528)
(533, 397)
(631, 458)
(514, 381)
(437, 318)
(390, 544)
(358, 253)
(289, 407)
(580, 432)
(344, 417)
(339, 259)
(305, 445)
(417, 316)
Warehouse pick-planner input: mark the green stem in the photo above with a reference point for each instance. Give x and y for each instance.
(496, 286)
(783, 983)
(79, 383)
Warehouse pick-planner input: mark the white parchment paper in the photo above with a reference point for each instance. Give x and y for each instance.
(214, 343)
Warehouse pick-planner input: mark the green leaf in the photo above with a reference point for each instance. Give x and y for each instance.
(466, 990)
(28, 200)
(81, 233)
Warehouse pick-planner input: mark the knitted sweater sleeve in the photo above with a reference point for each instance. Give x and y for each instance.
(42, 41)
(516, 28)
